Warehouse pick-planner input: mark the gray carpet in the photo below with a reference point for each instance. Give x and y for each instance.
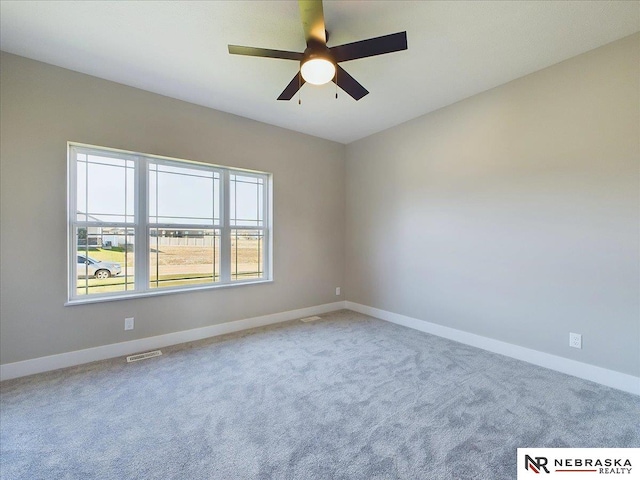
(347, 397)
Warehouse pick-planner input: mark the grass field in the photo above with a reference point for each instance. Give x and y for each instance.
(172, 266)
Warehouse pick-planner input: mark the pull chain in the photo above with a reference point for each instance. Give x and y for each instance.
(336, 83)
(299, 87)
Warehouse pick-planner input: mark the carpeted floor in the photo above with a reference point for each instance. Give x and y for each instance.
(347, 397)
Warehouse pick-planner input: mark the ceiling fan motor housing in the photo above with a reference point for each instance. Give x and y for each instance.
(317, 50)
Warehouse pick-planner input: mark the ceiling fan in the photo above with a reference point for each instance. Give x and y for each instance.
(319, 63)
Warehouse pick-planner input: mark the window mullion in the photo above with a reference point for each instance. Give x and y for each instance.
(266, 221)
(225, 231)
(72, 213)
(141, 247)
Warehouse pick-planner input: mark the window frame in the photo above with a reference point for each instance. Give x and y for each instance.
(142, 225)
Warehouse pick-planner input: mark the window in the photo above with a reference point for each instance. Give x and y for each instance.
(141, 224)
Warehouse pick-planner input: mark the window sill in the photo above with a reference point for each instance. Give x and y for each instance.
(156, 293)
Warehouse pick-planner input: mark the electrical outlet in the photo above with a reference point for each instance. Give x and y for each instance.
(337, 290)
(575, 340)
(128, 323)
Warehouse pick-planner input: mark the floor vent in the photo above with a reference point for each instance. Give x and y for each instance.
(143, 356)
(311, 319)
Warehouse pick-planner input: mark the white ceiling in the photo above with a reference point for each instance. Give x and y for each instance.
(179, 49)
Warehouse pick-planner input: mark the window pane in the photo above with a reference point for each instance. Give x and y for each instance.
(179, 257)
(105, 189)
(186, 221)
(247, 254)
(183, 195)
(104, 260)
(246, 200)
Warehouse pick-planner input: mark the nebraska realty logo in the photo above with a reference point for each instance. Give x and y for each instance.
(578, 462)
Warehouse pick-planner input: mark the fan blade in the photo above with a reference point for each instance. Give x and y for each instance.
(292, 88)
(264, 52)
(312, 21)
(349, 84)
(368, 48)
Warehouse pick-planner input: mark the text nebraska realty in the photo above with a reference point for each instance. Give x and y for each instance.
(614, 466)
(608, 465)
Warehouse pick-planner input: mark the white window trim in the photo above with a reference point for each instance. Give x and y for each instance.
(142, 226)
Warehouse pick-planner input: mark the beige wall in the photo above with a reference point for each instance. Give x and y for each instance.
(43, 107)
(512, 214)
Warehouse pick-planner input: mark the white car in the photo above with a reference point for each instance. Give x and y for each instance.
(90, 267)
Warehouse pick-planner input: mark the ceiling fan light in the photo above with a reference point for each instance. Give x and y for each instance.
(318, 71)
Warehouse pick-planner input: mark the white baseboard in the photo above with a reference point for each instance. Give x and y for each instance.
(610, 378)
(78, 357)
